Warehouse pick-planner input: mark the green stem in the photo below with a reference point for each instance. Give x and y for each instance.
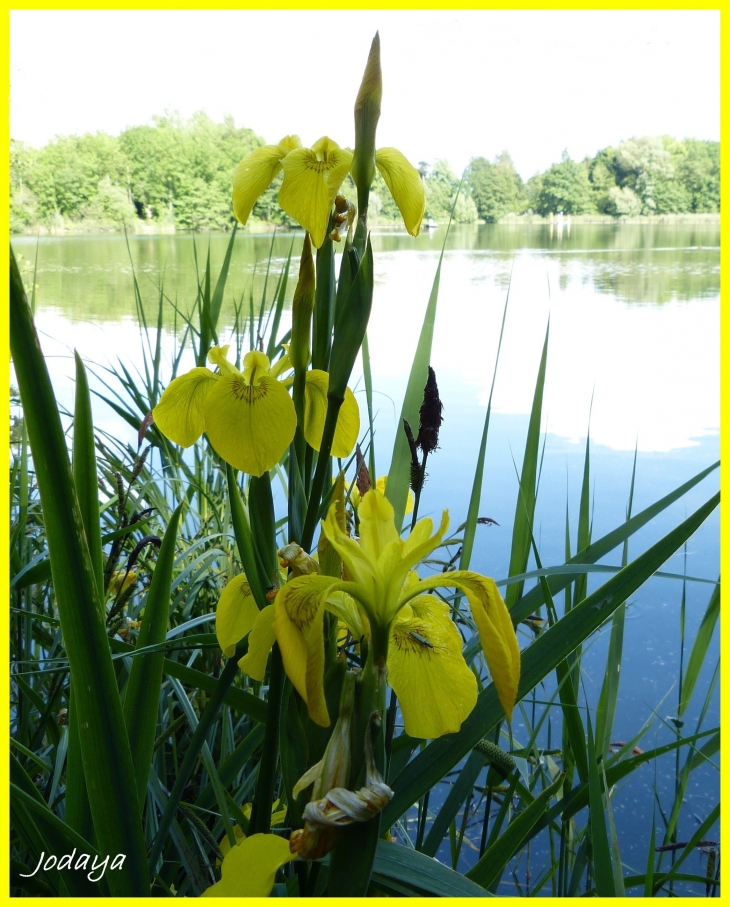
(417, 494)
(264, 797)
(320, 475)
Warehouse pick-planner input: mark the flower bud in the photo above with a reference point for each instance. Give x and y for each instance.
(302, 307)
(367, 114)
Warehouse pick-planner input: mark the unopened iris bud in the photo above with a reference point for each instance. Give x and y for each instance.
(367, 114)
(302, 307)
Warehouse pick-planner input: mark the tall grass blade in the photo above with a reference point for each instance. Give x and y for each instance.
(456, 796)
(602, 865)
(525, 509)
(396, 489)
(608, 698)
(216, 301)
(274, 343)
(141, 697)
(699, 648)
(244, 540)
(476, 488)
(84, 472)
(490, 866)
(532, 600)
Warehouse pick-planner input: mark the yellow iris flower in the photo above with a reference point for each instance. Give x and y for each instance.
(356, 497)
(248, 415)
(249, 868)
(312, 178)
(428, 673)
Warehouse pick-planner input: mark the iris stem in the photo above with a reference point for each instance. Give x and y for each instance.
(320, 474)
(264, 796)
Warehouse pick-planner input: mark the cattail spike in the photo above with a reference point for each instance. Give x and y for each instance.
(430, 415)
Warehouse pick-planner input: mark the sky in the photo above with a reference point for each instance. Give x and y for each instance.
(457, 84)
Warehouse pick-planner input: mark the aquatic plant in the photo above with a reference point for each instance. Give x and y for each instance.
(302, 745)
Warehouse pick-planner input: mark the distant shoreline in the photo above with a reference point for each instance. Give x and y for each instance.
(91, 228)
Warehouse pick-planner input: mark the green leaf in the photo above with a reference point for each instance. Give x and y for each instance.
(84, 471)
(699, 648)
(602, 864)
(401, 870)
(532, 600)
(525, 508)
(104, 745)
(244, 539)
(476, 488)
(239, 700)
(456, 796)
(396, 489)
(55, 836)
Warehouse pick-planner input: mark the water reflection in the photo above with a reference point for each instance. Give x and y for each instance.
(633, 312)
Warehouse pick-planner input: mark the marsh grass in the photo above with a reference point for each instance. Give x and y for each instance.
(184, 741)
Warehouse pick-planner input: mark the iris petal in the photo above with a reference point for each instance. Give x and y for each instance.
(312, 177)
(427, 671)
(377, 525)
(250, 425)
(348, 421)
(298, 623)
(249, 868)
(255, 173)
(180, 414)
(494, 624)
(355, 496)
(235, 614)
(405, 185)
(260, 641)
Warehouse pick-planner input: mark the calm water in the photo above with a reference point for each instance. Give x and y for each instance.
(633, 352)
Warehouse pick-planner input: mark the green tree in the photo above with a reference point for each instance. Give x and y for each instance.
(645, 166)
(495, 187)
(565, 187)
(602, 174)
(441, 187)
(699, 171)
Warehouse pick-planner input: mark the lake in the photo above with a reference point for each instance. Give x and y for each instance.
(633, 315)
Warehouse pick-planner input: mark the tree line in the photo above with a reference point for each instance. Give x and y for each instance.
(176, 173)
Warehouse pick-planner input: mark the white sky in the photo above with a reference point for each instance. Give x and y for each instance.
(457, 84)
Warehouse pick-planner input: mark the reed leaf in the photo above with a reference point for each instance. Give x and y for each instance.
(525, 508)
(532, 600)
(402, 871)
(699, 648)
(491, 864)
(396, 489)
(457, 795)
(141, 696)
